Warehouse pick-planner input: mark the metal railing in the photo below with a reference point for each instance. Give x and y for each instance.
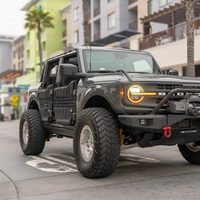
(169, 35)
(97, 11)
(133, 25)
(96, 36)
(132, 1)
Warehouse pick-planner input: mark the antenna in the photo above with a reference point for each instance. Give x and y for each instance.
(90, 53)
(90, 59)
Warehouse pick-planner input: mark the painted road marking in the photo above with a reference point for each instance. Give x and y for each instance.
(46, 165)
(60, 163)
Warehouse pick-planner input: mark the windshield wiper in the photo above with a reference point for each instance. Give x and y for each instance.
(103, 71)
(125, 73)
(141, 72)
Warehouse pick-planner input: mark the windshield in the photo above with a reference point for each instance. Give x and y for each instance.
(111, 61)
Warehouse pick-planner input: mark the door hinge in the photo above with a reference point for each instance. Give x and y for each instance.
(73, 116)
(74, 92)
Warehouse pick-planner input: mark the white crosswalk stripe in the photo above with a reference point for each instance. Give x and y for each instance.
(62, 163)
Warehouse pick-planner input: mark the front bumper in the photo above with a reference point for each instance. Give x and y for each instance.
(155, 124)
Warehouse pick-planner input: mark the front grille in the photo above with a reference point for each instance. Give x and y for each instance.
(166, 88)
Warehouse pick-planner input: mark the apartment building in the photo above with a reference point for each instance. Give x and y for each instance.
(51, 37)
(19, 54)
(111, 22)
(164, 35)
(66, 33)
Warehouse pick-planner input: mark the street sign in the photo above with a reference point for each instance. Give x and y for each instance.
(14, 104)
(10, 92)
(23, 87)
(17, 92)
(14, 98)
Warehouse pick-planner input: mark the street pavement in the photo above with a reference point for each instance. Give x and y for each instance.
(149, 173)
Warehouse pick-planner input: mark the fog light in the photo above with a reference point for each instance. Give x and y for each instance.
(143, 122)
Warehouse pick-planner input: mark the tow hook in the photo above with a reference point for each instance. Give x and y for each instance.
(167, 132)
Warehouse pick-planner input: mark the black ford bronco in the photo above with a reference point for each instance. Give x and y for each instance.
(108, 99)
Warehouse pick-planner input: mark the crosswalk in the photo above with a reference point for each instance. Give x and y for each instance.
(63, 163)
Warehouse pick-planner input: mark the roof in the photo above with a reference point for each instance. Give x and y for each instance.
(67, 7)
(6, 38)
(29, 5)
(165, 15)
(116, 37)
(22, 37)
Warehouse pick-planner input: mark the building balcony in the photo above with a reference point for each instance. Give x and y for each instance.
(97, 11)
(44, 55)
(132, 1)
(96, 36)
(133, 25)
(44, 35)
(172, 34)
(64, 34)
(27, 44)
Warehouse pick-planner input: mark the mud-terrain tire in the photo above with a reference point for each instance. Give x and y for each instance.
(191, 153)
(31, 133)
(96, 143)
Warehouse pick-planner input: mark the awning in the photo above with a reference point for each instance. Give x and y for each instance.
(9, 75)
(116, 37)
(165, 16)
(6, 105)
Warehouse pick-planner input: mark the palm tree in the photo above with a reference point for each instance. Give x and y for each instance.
(189, 4)
(38, 19)
(86, 17)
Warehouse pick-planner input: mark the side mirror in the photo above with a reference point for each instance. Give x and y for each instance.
(173, 72)
(68, 70)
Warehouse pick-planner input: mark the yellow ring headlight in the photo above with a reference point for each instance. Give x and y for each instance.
(136, 94)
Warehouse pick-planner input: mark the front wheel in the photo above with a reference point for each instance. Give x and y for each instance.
(31, 133)
(96, 143)
(191, 152)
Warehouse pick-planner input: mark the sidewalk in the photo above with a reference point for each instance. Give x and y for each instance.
(7, 189)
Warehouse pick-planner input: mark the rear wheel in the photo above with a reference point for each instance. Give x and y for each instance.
(96, 143)
(191, 152)
(31, 133)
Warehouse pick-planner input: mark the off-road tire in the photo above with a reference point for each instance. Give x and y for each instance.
(36, 133)
(191, 156)
(106, 140)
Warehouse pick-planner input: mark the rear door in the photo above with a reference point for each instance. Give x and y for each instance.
(64, 98)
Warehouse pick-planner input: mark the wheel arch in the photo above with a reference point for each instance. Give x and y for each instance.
(33, 105)
(99, 101)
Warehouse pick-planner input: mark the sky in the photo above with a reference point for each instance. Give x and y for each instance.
(12, 18)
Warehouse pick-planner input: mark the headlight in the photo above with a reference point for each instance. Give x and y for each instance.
(136, 94)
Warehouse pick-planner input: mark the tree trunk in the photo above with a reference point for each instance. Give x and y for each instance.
(40, 47)
(189, 4)
(86, 17)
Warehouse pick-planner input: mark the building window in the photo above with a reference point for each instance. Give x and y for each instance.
(19, 66)
(166, 71)
(14, 67)
(150, 7)
(164, 2)
(110, 1)
(111, 20)
(76, 37)
(13, 54)
(22, 65)
(184, 71)
(76, 14)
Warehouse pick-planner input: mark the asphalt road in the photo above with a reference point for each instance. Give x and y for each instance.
(150, 173)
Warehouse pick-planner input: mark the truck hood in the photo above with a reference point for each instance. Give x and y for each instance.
(163, 78)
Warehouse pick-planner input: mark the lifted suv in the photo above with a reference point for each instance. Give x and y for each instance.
(107, 99)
